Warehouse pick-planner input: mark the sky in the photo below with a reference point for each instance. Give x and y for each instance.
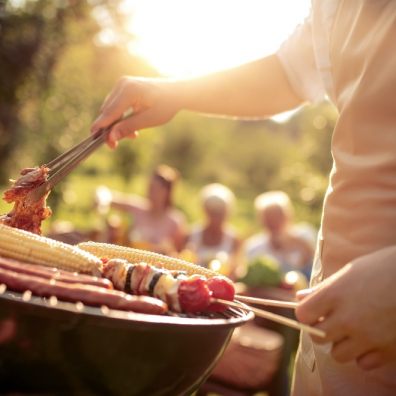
(184, 38)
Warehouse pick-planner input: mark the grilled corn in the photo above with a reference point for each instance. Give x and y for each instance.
(26, 246)
(136, 256)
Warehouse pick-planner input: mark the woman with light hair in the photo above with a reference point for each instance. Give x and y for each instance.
(288, 244)
(215, 243)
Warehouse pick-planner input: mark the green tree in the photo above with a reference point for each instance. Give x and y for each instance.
(32, 37)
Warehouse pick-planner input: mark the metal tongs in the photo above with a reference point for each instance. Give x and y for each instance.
(62, 165)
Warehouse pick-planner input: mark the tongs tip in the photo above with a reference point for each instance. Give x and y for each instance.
(66, 162)
(38, 192)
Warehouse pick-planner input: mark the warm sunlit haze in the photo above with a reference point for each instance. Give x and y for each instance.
(183, 38)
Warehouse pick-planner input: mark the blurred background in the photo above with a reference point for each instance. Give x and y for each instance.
(58, 60)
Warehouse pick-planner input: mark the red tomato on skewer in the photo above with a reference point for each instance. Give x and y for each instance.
(221, 287)
(194, 294)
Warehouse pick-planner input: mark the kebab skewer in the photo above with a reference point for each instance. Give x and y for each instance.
(224, 297)
(182, 293)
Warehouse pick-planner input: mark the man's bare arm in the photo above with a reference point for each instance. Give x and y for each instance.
(254, 90)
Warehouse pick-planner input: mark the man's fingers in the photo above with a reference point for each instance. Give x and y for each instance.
(124, 129)
(133, 135)
(103, 121)
(117, 134)
(114, 137)
(370, 360)
(348, 349)
(301, 294)
(113, 93)
(119, 102)
(111, 112)
(108, 99)
(330, 325)
(129, 127)
(315, 306)
(111, 142)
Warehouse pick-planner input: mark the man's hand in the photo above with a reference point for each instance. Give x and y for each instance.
(356, 307)
(150, 100)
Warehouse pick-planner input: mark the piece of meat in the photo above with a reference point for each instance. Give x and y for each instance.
(53, 273)
(25, 214)
(143, 279)
(87, 294)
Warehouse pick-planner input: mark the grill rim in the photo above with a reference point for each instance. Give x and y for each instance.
(238, 316)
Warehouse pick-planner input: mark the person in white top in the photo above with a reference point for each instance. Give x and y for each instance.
(345, 50)
(215, 243)
(280, 238)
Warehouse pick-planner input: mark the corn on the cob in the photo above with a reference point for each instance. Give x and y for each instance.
(23, 245)
(136, 255)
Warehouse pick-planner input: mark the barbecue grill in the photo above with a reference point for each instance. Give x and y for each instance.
(54, 347)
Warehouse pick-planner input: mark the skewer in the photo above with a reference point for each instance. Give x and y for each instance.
(267, 302)
(274, 317)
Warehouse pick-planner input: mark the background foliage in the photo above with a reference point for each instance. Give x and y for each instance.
(54, 74)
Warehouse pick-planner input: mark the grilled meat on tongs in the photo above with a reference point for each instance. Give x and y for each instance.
(27, 214)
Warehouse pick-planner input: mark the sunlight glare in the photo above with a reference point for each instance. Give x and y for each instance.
(183, 38)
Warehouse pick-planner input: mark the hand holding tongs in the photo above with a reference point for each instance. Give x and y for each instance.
(62, 165)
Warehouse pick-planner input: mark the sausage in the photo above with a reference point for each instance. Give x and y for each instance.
(87, 294)
(53, 273)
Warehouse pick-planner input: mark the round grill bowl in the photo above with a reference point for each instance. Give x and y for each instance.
(63, 348)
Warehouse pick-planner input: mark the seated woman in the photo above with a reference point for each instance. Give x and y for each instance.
(157, 225)
(215, 243)
(290, 245)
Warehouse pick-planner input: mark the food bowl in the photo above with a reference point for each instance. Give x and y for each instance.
(52, 347)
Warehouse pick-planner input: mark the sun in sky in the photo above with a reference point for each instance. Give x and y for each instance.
(184, 38)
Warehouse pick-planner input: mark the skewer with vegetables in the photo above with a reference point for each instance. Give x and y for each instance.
(182, 293)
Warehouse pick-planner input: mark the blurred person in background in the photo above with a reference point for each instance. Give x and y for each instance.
(280, 239)
(284, 253)
(111, 231)
(345, 50)
(65, 231)
(156, 224)
(215, 243)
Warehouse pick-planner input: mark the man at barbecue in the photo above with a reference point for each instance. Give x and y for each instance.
(345, 50)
